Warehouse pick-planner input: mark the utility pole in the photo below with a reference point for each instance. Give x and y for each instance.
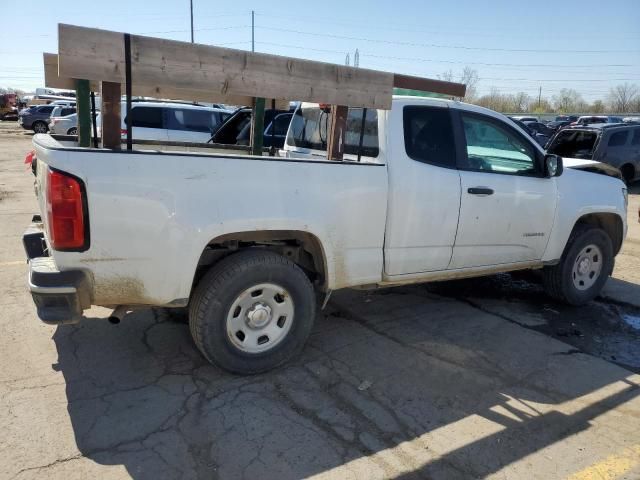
(253, 27)
(539, 96)
(191, 9)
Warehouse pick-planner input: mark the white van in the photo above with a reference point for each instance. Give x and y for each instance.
(178, 122)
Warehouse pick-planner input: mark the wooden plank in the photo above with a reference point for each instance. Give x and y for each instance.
(429, 85)
(53, 80)
(257, 126)
(337, 131)
(160, 63)
(84, 113)
(111, 115)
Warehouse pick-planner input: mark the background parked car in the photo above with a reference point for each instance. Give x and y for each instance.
(62, 111)
(36, 118)
(558, 125)
(616, 145)
(566, 118)
(178, 122)
(236, 130)
(594, 119)
(68, 125)
(525, 118)
(538, 137)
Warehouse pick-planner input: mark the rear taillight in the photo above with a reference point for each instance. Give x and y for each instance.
(28, 160)
(65, 212)
(123, 131)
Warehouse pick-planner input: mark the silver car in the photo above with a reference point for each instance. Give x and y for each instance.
(68, 125)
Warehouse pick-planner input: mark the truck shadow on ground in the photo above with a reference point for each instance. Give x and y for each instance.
(404, 384)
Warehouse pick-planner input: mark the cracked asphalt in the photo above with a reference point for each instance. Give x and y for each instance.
(458, 380)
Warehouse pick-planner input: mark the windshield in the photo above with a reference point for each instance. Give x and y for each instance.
(574, 144)
(309, 130)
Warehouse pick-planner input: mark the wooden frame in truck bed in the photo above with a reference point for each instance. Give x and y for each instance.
(171, 69)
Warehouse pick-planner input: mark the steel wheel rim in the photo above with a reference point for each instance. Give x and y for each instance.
(587, 267)
(260, 318)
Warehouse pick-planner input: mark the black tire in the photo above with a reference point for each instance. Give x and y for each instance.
(72, 131)
(628, 173)
(40, 126)
(220, 287)
(558, 279)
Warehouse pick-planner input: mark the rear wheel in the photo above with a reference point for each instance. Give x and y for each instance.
(40, 127)
(628, 173)
(252, 311)
(583, 269)
(72, 131)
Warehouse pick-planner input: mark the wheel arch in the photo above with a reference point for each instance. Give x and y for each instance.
(302, 247)
(611, 223)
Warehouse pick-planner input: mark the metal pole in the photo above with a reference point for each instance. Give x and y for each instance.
(83, 103)
(191, 10)
(253, 26)
(93, 120)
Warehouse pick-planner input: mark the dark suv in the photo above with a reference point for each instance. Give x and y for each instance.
(615, 144)
(36, 118)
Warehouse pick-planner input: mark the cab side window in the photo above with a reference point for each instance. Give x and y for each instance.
(493, 147)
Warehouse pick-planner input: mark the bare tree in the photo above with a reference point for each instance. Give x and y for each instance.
(446, 76)
(597, 107)
(622, 97)
(470, 78)
(568, 100)
(520, 102)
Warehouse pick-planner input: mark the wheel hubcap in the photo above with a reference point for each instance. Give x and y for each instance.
(587, 267)
(260, 318)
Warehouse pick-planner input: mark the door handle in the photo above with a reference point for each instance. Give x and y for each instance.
(480, 191)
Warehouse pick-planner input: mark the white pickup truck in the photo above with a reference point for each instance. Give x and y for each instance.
(440, 190)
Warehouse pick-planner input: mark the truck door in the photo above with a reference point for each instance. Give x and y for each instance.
(507, 207)
(424, 191)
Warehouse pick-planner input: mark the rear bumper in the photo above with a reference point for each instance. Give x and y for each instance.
(60, 297)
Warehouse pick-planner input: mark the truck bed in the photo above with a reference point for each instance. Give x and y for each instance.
(152, 213)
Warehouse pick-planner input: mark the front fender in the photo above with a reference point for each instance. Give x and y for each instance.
(583, 193)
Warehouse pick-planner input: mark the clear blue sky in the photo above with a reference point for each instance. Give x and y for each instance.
(589, 45)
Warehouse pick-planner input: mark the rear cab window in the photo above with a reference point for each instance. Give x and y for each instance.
(428, 135)
(309, 132)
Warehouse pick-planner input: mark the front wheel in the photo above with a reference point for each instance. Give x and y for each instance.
(252, 312)
(72, 131)
(583, 269)
(40, 127)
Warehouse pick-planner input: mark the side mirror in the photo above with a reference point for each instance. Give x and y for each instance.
(552, 165)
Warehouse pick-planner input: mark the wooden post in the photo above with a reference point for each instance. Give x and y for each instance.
(84, 112)
(111, 94)
(337, 131)
(257, 126)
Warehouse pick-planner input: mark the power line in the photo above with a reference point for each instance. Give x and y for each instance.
(435, 45)
(533, 65)
(405, 27)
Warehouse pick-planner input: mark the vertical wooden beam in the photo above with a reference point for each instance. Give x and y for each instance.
(257, 126)
(111, 114)
(84, 112)
(337, 131)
